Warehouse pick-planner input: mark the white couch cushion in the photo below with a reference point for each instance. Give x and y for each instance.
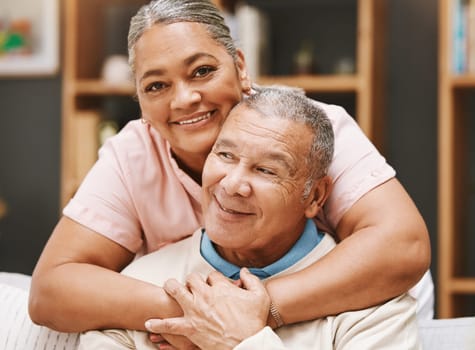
(448, 334)
(18, 332)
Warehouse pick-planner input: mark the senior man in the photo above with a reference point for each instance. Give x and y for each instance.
(263, 182)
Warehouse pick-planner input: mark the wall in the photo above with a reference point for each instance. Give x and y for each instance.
(412, 104)
(30, 146)
(29, 168)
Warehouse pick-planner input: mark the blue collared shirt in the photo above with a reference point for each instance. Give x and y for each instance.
(307, 241)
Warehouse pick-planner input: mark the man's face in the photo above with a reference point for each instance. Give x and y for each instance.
(253, 184)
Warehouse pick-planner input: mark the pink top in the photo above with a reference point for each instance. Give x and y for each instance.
(137, 196)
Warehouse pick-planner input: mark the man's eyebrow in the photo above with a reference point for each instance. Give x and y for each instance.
(282, 158)
(224, 143)
(188, 61)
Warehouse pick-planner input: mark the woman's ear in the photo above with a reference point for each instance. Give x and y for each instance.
(244, 78)
(320, 192)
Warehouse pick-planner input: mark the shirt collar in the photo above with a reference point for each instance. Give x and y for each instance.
(308, 240)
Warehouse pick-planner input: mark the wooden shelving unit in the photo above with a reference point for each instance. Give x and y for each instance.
(83, 90)
(454, 284)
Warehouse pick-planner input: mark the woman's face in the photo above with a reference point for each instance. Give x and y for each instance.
(186, 83)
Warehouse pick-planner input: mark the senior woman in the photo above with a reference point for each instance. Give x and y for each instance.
(144, 193)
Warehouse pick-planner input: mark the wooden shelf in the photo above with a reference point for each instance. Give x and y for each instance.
(462, 285)
(316, 83)
(100, 88)
(463, 81)
(310, 83)
(455, 283)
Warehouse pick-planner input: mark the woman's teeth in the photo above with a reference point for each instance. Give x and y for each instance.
(195, 120)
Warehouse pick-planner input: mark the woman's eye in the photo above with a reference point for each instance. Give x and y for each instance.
(203, 71)
(153, 87)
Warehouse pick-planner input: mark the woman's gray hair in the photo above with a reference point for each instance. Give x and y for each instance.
(291, 103)
(173, 11)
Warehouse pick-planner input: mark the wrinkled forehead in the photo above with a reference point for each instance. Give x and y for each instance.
(246, 125)
(242, 118)
(238, 111)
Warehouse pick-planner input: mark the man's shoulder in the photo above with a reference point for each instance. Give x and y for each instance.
(168, 262)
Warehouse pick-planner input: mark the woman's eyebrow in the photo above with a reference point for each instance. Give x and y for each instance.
(152, 72)
(188, 61)
(197, 56)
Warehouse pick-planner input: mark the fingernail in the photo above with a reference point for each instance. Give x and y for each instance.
(148, 324)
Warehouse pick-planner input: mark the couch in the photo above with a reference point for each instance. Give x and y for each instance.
(17, 332)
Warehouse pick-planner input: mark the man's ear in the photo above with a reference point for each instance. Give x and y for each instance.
(244, 77)
(320, 192)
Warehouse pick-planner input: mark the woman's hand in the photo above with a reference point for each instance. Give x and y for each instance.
(217, 313)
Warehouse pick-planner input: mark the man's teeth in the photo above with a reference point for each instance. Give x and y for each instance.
(195, 120)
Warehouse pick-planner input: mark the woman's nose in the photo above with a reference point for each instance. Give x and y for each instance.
(184, 96)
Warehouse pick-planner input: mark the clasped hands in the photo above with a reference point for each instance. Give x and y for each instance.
(217, 313)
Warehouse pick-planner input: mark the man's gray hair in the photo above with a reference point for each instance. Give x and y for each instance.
(173, 11)
(291, 103)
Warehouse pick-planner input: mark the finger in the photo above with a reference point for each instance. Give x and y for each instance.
(237, 283)
(178, 292)
(165, 346)
(155, 338)
(174, 326)
(196, 283)
(251, 282)
(216, 277)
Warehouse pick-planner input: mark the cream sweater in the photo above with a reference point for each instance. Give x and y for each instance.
(391, 325)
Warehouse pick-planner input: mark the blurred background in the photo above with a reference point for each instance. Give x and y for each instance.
(32, 106)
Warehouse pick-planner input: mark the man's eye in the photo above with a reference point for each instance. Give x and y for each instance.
(153, 87)
(203, 71)
(225, 155)
(266, 171)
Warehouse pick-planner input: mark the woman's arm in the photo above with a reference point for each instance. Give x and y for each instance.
(75, 286)
(384, 251)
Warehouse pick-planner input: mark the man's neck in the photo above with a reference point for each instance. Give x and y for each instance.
(255, 258)
(307, 241)
(265, 254)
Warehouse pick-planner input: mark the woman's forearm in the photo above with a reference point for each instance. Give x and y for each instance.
(79, 297)
(382, 255)
(348, 278)
(75, 286)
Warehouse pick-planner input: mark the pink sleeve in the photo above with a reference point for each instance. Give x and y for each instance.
(103, 202)
(356, 169)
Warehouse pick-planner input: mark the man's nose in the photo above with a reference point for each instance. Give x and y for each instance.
(236, 182)
(184, 96)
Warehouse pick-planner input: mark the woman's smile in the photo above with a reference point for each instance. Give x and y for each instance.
(195, 118)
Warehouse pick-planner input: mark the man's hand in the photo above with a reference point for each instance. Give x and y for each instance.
(171, 342)
(217, 313)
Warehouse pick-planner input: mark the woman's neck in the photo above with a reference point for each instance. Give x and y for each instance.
(191, 164)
